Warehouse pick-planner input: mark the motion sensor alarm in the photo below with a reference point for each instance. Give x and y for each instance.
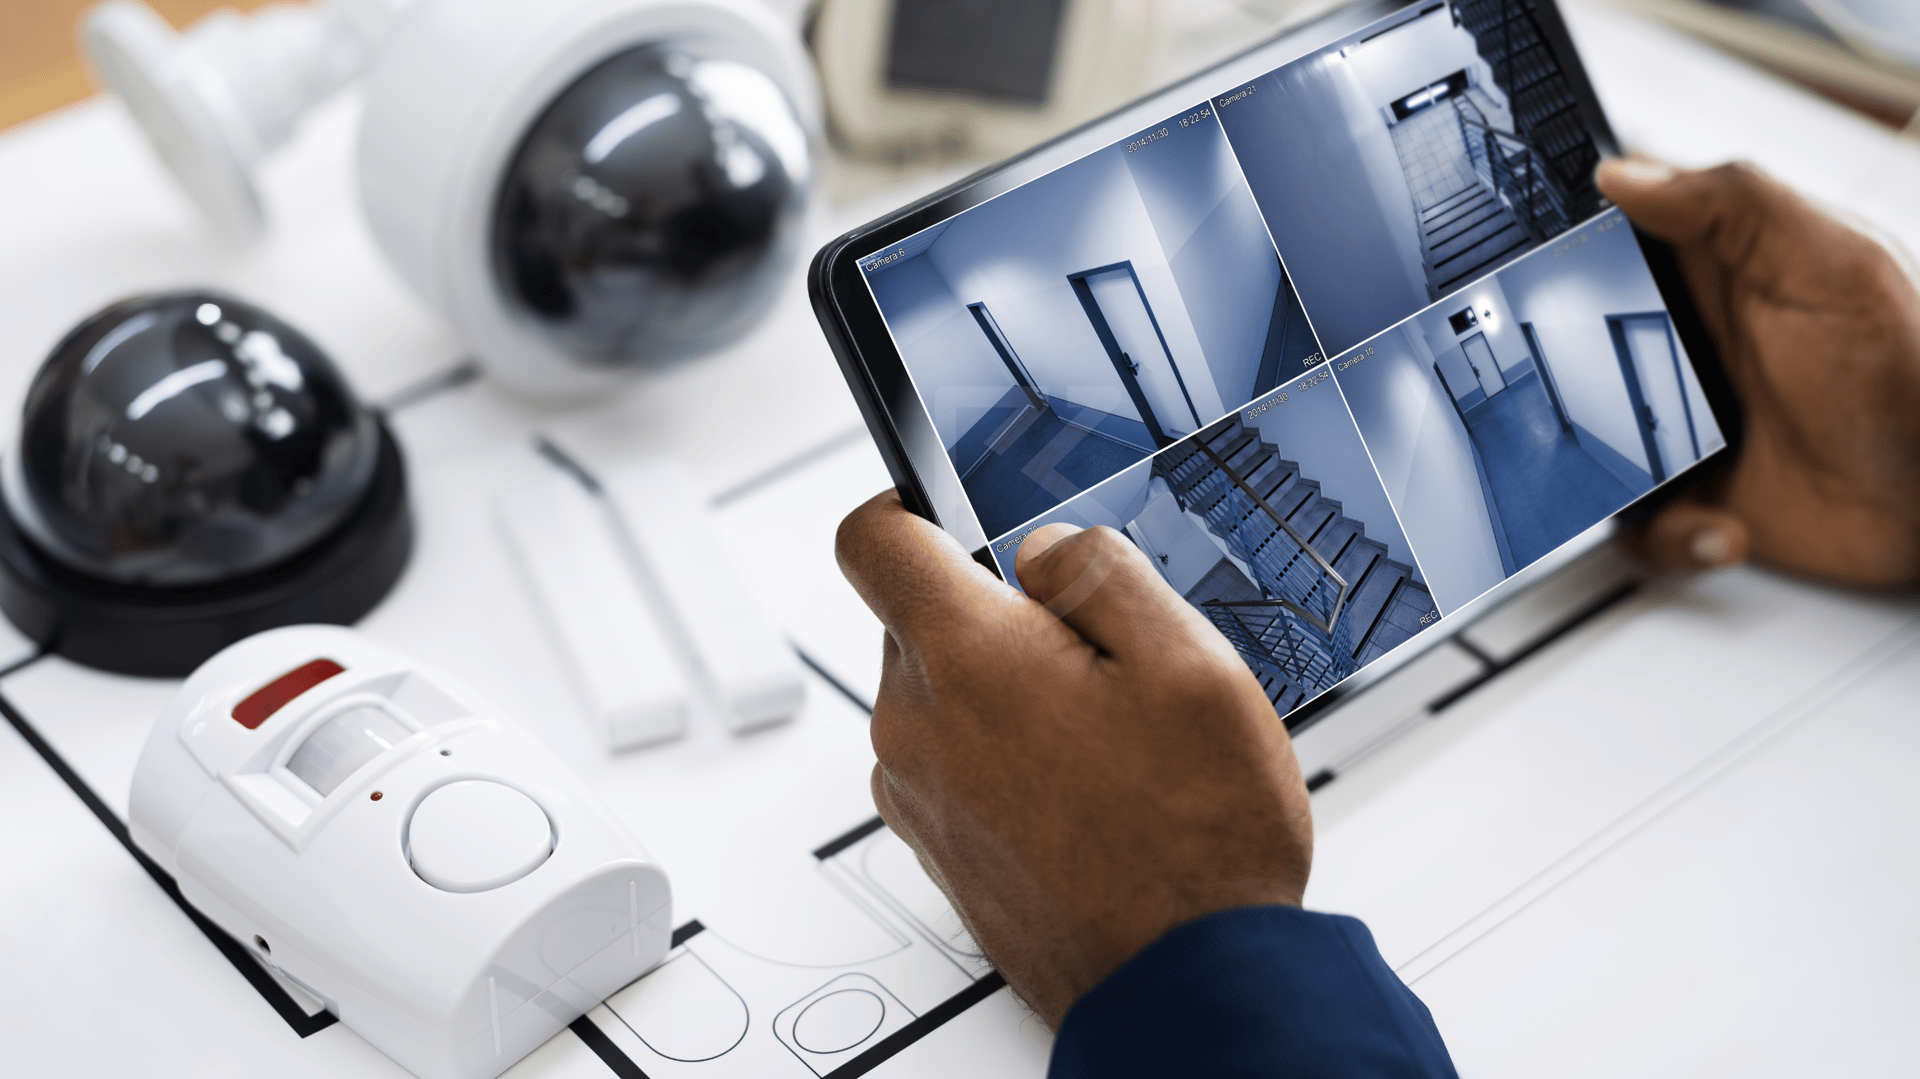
(436, 878)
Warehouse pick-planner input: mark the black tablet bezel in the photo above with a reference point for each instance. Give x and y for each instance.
(894, 412)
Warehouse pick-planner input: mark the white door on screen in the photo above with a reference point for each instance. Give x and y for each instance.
(1125, 310)
(1658, 369)
(1485, 367)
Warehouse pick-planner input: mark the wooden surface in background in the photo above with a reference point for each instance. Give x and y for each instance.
(40, 67)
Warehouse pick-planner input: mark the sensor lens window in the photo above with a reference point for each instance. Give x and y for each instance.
(341, 745)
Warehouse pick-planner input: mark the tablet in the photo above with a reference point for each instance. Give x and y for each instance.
(1340, 333)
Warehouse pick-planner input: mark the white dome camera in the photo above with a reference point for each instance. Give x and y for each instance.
(441, 882)
(588, 186)
(581, 187)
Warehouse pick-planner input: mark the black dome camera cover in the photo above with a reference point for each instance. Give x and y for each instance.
(647, 213)
(192, 470)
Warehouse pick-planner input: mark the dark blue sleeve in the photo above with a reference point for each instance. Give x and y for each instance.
(1258, 991)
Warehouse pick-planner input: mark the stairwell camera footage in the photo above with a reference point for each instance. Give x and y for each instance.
(1138, 340)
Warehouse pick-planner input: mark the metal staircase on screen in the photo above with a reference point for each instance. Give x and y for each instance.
(1546, 114)
(1512, 166)
(1309, 579)
(1467, 229)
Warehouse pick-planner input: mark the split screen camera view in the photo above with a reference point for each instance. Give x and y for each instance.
(1140, 340)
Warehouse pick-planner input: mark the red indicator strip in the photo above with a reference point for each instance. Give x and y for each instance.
(273, 696)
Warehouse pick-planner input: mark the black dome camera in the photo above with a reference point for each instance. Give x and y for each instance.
(191, 470)
(587, 189)
(640, 220)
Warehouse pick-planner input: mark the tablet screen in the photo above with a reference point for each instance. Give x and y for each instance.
(1339, 349)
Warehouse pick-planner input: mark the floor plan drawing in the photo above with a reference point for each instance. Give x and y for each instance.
(715, 1009)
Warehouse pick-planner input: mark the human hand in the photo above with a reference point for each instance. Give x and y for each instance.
(1080, 768)
(1819, 330)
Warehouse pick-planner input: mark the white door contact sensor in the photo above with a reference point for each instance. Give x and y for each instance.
(742, 656)
(441, 882)
(633, 578)
(602, 623)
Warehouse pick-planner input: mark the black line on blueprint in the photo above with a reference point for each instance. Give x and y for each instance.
(1560, 629)
(853, 836)
(791, 465)
(1714, 769)
(596, 1039)
(921, 1027)
(1461, 642)
(429, 387)
(24, 662)
(565, 463)
(686, 933)
(256, 975)
(859, 702)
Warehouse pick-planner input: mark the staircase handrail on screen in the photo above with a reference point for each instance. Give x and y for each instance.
(1301, 633)
(1323, 621)
(1545, 215)
(1267, 638)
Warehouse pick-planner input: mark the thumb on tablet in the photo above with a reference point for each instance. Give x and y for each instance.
(1687, 535)
(1096, 581)
(1736, 212)
(918, 580)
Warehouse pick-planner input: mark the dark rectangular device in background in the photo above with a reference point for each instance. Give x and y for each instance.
(995, 50)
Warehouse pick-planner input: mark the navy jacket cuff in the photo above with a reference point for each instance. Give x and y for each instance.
(1256, 991)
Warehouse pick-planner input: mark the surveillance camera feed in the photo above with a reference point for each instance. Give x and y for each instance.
(1338, 349)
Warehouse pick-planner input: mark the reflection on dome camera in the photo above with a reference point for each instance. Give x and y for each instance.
(186, 439)
(650, 209)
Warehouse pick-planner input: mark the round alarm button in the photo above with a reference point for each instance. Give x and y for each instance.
(475, 834)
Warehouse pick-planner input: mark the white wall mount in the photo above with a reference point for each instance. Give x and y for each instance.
(222, 96)
(438, 879)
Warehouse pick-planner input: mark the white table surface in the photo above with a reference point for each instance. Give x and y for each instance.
(1681, 840)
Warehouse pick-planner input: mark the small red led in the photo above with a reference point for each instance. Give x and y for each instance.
(375, 796)
(270, 698)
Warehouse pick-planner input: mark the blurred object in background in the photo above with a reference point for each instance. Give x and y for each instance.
(914, 83)
(1888, 29)
(219, 98)
(908, 80)
(1864, 53)
(40, 66)
(1205, 32)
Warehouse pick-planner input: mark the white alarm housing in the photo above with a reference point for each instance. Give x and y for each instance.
(438, 879)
